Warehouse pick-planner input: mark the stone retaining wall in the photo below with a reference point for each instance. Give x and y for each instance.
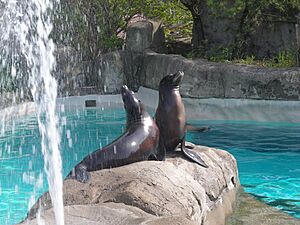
(202, 79)
(205, 79)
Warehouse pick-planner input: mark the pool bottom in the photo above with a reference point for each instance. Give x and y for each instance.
(249, 211)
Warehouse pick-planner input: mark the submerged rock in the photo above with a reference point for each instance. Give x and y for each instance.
(152, 192)
(249, 211)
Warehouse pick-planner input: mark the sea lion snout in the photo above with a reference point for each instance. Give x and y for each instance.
(131, 104)
(172, 80)
(124, 89)
(178, 77)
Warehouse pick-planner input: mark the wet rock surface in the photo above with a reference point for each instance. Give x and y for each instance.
(153, 192)
(249, 211)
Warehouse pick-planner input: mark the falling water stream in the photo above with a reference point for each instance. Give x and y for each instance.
(28, 53)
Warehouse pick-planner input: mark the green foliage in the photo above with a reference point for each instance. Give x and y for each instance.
(92, 26)
(176, 18)
(283, 59)
(214, 54)
(249, 60)
(225, 8)
(95, 26)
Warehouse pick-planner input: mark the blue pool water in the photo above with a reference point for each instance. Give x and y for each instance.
(268, 156)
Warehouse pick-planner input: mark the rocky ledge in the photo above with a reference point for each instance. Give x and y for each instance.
(175, 191)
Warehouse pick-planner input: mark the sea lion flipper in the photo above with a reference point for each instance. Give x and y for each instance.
(81, 173)
(190, 127)
(152, 157)
(192, 155)
(161, 153)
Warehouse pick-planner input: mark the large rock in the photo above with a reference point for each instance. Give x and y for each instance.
(144, 35)
(139, 36)
(174, 188)
(109, 214)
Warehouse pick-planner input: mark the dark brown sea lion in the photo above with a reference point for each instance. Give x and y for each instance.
(170, 119)
(139, 142)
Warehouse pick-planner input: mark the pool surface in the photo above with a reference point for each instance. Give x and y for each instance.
(268, 156)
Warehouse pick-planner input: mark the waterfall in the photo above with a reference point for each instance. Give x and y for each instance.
(27, 54)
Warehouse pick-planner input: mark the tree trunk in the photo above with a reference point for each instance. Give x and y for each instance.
(198, 36)
(247, 24)
(239, 42)
(198, 32)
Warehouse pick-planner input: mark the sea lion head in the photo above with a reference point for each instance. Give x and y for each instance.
(172, 80)
(133, 106)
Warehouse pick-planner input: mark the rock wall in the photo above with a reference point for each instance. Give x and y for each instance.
(205, 79)
(267, 40)
(202, 79)
(271, 38)
(139, 66)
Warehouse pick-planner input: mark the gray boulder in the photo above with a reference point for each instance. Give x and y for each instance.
(144, 35)
(109, 214)
(153, 190)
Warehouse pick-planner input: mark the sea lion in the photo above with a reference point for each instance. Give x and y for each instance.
(139, 142)
(170, 119)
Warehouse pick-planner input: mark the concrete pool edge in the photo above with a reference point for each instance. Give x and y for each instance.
(231, 109)
(67, 103)
(196, 109)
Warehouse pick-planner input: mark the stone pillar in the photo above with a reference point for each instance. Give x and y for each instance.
(143, 35)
